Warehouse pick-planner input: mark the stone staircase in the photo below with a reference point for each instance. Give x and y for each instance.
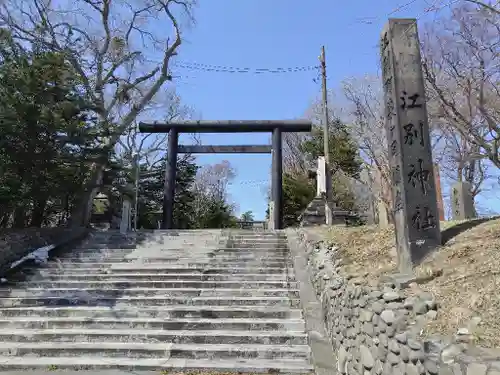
(188, 300)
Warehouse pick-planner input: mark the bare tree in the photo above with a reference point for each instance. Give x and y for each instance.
(137, 150)
(107, 43)
(461, 67)
(293, 159)
(211, 185)
(365, 114)
(149, 148)
(488, 7)
(452, 153)
(213, 180)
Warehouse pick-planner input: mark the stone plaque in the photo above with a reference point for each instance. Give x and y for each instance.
(462, 202)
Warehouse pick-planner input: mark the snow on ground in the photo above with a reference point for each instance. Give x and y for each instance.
(40, 256)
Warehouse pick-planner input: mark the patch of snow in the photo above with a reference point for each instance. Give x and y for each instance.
(40, 256)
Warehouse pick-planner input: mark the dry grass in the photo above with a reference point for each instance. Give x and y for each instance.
(365, 248)
(468, 266)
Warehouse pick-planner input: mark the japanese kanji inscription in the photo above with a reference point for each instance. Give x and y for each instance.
(462, 201)
(415, 209)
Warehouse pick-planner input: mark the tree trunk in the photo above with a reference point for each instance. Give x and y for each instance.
(66, 212)
(38, 215)
(5, 218)
(80, 215)
(20, 217)
(471, 167)
(460, 173)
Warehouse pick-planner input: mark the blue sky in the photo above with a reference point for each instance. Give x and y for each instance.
(269, 34)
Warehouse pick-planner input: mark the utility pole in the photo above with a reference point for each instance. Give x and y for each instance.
(326, 136)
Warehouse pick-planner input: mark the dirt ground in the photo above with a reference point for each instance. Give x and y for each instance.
(463, 274)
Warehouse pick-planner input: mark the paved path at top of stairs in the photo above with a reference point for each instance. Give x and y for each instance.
(183, 300)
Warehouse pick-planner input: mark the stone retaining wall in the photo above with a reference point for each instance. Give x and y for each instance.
(17, 243)
(374, 326)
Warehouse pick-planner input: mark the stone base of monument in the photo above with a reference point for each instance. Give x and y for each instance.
(314, 214)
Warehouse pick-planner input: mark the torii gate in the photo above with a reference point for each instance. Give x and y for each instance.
(233, 126)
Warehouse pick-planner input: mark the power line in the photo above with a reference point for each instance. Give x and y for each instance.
(371, 20)
(432, 8)
(244, 70)
(250, 182)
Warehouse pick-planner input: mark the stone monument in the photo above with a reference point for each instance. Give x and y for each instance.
(270, 223)
(315, 212)
(410, 159)
(462, 202)
(365, 195)
(321, 177)
(126, 218)
(382, 199)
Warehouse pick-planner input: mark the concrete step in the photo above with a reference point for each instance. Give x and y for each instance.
(164, 312)
(101, 251)
(89, 322)
(271, 236)
(154, 336)
(124, 284)
(192, 264)
(256, 247)
(196, 261)
(256, 232)
(161, 268)
(149, 292)
(250, 246)
(258, 236)
(236, 236)
(131, 277)
(105, 253)
(142, 350)
(98, 245)
(243, 238)
(182, 259)
(255, 366)
(182, 269)
(234, 250)
(146, 301)
(257, 240)
(169, 256)
(113, 239)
